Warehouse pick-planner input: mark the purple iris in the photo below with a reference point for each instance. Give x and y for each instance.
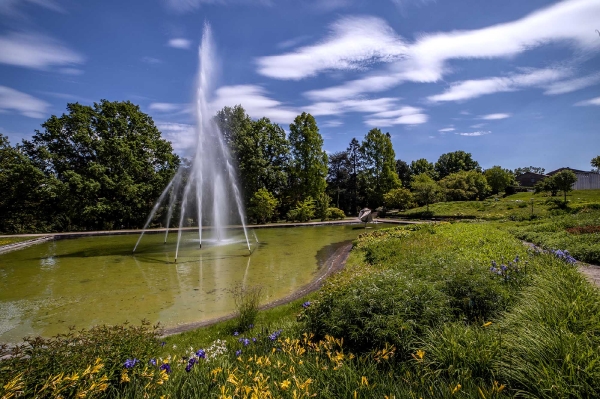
(166, 367)
(238, 352)
(201, 354)
(152, 362)
(306, 304)
(130, 363)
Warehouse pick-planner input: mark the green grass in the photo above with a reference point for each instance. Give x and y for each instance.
(13, 240)
(416, 313)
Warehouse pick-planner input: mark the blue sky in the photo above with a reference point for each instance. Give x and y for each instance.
(515, 83)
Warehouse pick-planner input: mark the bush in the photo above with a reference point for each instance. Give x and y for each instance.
(335, 214)
(303, 212)
(375, 309)
(246, 303)
(263, 205)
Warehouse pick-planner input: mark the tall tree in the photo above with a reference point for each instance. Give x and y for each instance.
(596, 163)
(426, 190)
(355, 165)
(499, 178)
(564, 181)
(465, 186)
(309, 161)
(421, 166)
(338, 179)
(233, 121)
(110, 160)
(404, 172)
(379, 166)
(456, 161)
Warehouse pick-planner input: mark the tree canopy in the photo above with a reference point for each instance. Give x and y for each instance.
(456, 161)
(499, 178)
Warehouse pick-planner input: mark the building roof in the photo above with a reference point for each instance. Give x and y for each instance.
(576, 171)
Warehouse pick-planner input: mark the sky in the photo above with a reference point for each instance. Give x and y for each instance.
(515, 83)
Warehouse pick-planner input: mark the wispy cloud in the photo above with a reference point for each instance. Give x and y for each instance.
(352, 43)
(474, 134)
(402, 116)
(293, 42)
(183, 6)
(567, 86)
(31, 50)
(180, 43)
(493, 117)
(182, 136)
(332, 123)
(593, 101)
(151, 60)
(447, 129)
(425, 60)
(24, 104)
(169, 108)
(478, 125)
(11, 7)
(468, 89)
(255, 101)
(71, 71)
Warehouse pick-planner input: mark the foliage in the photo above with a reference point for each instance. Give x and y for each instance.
(322, 205)
(246, 301)
(595, 162)
(355, 164)
(404, 172)
(378, 175)
(338, 179)
(309, 161)
(453, 162)
(465, 186)
(498, 178)
(303, 212)
(564, 181)
(400, 198)
(421, 166)
(529, 169)
(547, 185)
(110, 161)
(88, 362)
(335, 214)
(426, 190)
(263, 205)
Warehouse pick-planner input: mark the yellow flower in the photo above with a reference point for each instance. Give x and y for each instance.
(364, 381)
(284, 385)
(456, 389)
(419, 355)
(489, 323)
(124, 376)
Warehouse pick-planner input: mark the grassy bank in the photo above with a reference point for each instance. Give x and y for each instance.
(452, 310)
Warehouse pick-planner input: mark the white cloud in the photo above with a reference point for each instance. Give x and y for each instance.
(332, 123)
(10, 7)
(465, 90)
(35, 51)
(447, 129)
(474, 134)
(183, 6)
(567, 22)
(180, 43)
(478, 125)
(182, 136)
(352, 43)
(13, 100)
(71, 71)
(151, 60)
(492, 117)
(411, 119)
(293, 42)
(167, 107)
(255, 101)
(593, 101)
(567, 86)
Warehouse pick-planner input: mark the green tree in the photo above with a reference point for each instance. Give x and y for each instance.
(453, 162)
(338, 178)
(596, 163)
(322, 205)
(546, 185)
(233, 121)
(529, 169)
(378, 175)
(465, 186)
(303, 212)
(110, 161)
(421, 166)
(400, 198)
(263, 205)
(309, 161)
(355, 165)
(564, 181)
(404, 172)
(425, 189)
(499, 178)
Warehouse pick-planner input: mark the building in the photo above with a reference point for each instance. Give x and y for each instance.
(586, 180)
(529, 179)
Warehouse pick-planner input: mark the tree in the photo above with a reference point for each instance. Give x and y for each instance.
(596, 163)
(338, 177)
(465, 186)
(263, 205)
(355, 165)
(529, 169)
(499, 178)
(233, 121)
(453, 162)
(421, 166)
(425, 189)
(404, 172)
(378, 175)
(322, 205)
(400, 198)
(110, 161)
(564, 181)
(546, 185)
(303, 212)
(309, 161)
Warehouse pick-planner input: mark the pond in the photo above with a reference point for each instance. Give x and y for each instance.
(86, 281)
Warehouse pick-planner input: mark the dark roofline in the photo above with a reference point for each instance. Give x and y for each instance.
(571, 169)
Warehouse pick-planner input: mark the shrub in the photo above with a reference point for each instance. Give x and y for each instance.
(263, 205)
(335, 214)
(246, 301)
(303, 212)
(400, 198)
(322, 205)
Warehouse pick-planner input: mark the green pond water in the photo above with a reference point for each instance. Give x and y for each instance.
(86, 281)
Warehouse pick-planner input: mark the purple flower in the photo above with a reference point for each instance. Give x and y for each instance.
(163, 343)
(190, 364)
(246, 341)
(238, 352)
(253, 339)
(275, 335)
(166, 367)
(306, 304)
(130, 363)
(152, 362)
(235, 333)
(201, 354)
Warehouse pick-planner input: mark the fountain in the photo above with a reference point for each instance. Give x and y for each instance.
(211, 174)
